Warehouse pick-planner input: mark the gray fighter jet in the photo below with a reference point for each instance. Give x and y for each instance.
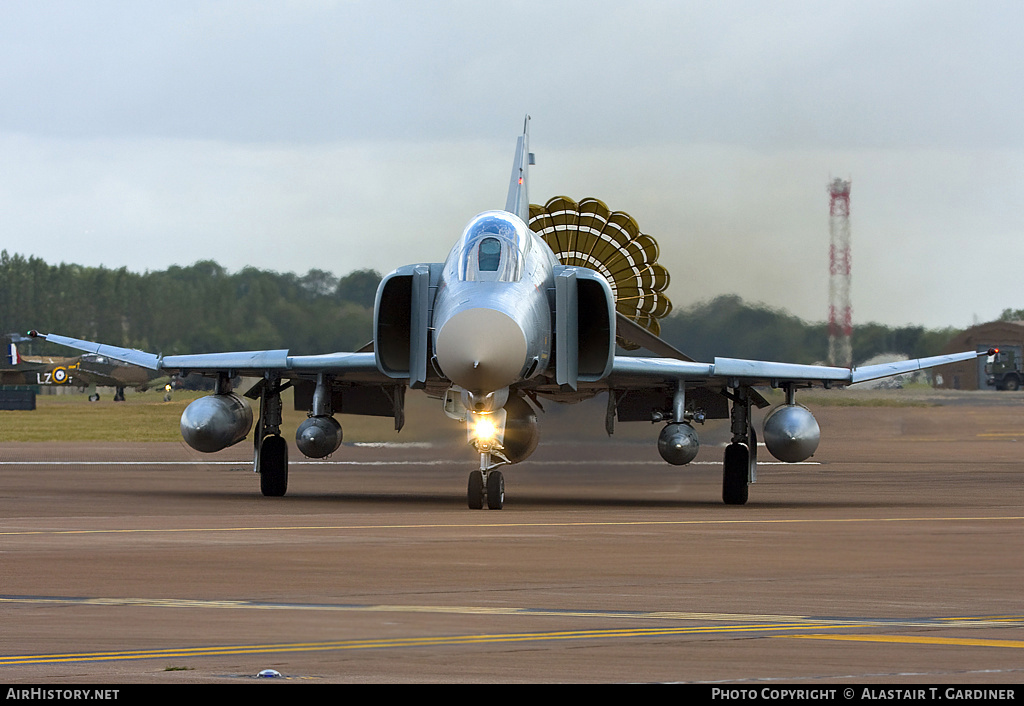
(528, 306)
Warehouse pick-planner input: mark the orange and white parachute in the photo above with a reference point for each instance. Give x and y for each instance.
(589, 234)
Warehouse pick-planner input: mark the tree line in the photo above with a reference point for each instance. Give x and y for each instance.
(729, 327)
(203, 308)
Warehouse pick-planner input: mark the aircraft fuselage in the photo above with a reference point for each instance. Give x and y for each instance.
(492, 312)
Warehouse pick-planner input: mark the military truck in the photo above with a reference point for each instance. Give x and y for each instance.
(1003, 372)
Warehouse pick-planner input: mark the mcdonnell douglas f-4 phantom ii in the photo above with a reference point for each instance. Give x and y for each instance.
(527, 306)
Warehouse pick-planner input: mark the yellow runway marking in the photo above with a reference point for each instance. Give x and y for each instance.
(440, 641)
(913, 640)
(512, 525)
(744, 624)
(747, 620)
(381, 643)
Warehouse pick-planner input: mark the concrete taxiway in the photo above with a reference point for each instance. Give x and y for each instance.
(894, 556)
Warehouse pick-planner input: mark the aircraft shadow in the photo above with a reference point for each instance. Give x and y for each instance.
(554, 500)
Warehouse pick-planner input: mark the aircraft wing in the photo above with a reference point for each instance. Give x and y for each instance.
(629, 371)
(355, 367)
(641, 387)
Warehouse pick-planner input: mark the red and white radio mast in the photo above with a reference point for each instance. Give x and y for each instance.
(840, 314)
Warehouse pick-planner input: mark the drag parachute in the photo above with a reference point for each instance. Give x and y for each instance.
(589, 234)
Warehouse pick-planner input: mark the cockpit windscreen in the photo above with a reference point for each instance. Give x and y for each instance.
(493, 247)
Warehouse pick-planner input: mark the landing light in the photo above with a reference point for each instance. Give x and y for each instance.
(486, 432)
(485, 429)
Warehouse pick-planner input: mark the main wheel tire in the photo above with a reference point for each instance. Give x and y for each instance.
(495, 490)
(274, 466)
(475, 491)
(735, 470)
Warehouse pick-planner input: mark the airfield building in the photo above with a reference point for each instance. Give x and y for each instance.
(970, 375)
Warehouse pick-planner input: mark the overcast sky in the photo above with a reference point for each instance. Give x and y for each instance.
(292, 135)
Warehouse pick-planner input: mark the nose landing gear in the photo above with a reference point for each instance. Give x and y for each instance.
(486, 486)
(486, 433)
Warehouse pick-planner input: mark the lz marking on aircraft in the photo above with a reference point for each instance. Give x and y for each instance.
(523, 308)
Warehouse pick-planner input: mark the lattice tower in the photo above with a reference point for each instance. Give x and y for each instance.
(840, 314)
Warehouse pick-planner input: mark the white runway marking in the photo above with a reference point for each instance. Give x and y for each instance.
(435, 462)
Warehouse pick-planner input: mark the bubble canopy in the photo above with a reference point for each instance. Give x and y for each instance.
(493, 247)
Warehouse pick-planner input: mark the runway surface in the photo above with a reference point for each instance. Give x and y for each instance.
(895, 556)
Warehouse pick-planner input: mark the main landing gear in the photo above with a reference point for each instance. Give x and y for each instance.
(739, 468)
(734, 474)
(273, 464)
(271, 450)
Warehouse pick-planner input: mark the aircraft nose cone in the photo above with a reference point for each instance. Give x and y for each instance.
(481, 350)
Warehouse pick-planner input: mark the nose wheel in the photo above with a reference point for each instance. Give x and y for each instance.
(486, 486)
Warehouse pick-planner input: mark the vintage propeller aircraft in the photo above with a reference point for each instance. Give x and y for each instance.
(528, 305)
(89, 370)
(18, 370)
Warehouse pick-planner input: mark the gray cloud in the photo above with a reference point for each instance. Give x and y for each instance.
(292, 135)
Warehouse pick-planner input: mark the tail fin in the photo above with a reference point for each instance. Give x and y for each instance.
(518, 202)
(12, 354)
